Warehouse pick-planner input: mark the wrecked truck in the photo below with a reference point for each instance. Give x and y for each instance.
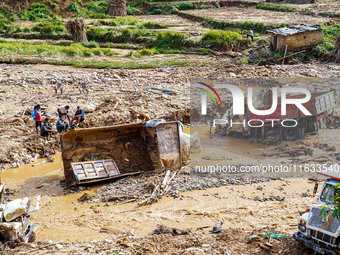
(318, 229)
(15, 227)
(97, 154)
(270, 127)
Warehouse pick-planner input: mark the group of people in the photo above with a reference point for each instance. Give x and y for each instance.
(62, 125)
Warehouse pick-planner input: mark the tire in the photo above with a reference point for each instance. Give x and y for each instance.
(302, 132)
(292, 133)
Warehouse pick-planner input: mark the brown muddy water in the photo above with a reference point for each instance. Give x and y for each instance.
(63, 218)
(227, 150)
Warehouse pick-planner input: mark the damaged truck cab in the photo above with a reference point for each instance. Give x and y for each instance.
(315, 230)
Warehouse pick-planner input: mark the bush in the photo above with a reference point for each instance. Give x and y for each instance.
(12, 17)
(97, 7)
(4, 24)
(135, 35)
(204, 7)
(132, 10)
(91, 44)
(48, 28)
(242, 61)
(35, 12)
(323, 49)
(101, 34)
(274, 7)
(186, 6)
(152, 25)
(171, 40)
(146, 52)
(73, 7)
(221, 39)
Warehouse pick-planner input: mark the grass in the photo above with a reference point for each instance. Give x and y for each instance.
(48, 27)
(221, 39)
(105, 64)
(74, 50)
(274, 7)
(121, 21)
(171, 40)
(166, 8)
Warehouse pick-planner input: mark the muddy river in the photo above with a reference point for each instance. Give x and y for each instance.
(226, 150)
(63, 218)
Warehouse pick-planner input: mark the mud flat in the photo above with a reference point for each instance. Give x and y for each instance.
(78, 227)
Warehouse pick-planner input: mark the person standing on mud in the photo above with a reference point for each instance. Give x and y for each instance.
(63, 111)
(37, 117)
(251, 35)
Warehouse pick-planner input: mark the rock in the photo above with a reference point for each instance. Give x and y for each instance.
(253, 238)
(84, 197)
(59, 246)
(259, 188)
(88, 108)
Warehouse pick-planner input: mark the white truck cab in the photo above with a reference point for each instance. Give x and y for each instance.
(314, 229)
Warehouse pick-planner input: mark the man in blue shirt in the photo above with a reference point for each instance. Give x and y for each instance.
(79, 116)
(62, 124)
(46, 130)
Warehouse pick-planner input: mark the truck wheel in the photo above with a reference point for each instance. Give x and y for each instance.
(302, 132)
(316, 127)
(292, 133)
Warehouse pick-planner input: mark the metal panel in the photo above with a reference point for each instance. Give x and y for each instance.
(325, 102)
(317, 221)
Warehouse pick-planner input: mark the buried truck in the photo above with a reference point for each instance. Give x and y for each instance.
(317, 228)
(276, 127)
(97, 154)
(15, 227)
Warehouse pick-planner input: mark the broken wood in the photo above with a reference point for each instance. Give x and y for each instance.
(291, 55)
(284, 56)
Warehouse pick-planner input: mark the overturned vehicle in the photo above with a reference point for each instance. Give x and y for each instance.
(97, 154)
(276, 127)
(317, 228)
(15, 227)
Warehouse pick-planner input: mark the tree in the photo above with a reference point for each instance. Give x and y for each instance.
(335, 55)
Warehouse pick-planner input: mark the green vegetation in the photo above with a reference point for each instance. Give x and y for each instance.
(74, 50)
(221, 39)
(242, 61)
(155, 9)
(132, 10)
(274, 7)
(48, 28)
(128, 21)
(171, 40)
(73, 7)
(35, 12)
(258, 27)
(91, 44)
(105, 64)
(330, 34)
(334, 205)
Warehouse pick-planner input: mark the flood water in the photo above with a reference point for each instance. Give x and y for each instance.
(63, 218)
